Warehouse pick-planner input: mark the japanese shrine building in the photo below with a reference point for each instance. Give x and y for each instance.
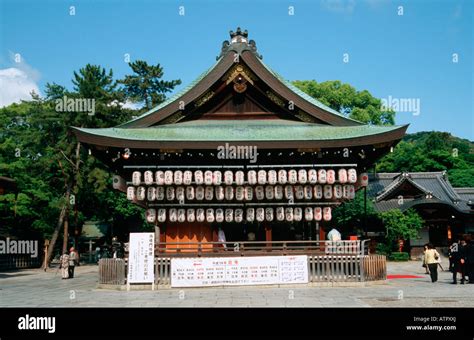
(240, 149)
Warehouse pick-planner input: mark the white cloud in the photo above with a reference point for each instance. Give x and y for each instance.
(16, 83)
(341, 6)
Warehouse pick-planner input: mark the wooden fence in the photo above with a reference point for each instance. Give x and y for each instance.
(112, 271)
(23, 261)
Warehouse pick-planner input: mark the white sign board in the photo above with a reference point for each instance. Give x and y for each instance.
(233, 271)
(140, 258)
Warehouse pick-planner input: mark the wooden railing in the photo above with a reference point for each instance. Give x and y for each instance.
(341, 261)
(259, 248)
(20, 261)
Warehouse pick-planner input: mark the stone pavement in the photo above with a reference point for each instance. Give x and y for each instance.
(35, 288)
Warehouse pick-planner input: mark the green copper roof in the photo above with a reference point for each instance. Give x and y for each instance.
(240, 130)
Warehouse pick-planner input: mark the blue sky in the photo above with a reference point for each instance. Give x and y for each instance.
(403, 56)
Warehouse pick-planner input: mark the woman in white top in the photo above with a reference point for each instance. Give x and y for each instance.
(431, 260)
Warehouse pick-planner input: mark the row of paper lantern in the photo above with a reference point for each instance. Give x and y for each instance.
(261, 177)
(288, 214)
(241, 193)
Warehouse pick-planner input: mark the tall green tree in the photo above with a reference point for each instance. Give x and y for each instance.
(146, 84)
(359, 105)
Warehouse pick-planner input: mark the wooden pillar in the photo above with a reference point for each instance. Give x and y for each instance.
(157, 238)
(268, 237)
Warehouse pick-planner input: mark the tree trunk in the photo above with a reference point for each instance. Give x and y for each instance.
(66, 232)
(55, 235)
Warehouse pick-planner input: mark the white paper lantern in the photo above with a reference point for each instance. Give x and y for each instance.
(327, 191)
(272, 177)
(262, 177)
(180, 194)
(217, 177)
(239, 215)
(187, 177)
(351, 192)
(250, 214)
(302, 176)
(269, 214)
(312, 176)
(282, 176)
(269, 192)
(280, 214)
(160, 193)
(308, 192)
(239, 193)
(248, 193)
(229, 193)
(338, 191)
(148, 177)
(200, 215)
(239, 177)
(259, 192)
(352, 175)
(141, 192)
(327, 214)
(136, 178)
(364, 179)
(342, 176)
(322, 176)
(208, 177)
(308, 214)
(299, 192)
(160, 177)
(318, 192)
(151, 194)
(229, 215)
(168, 177)
(260, 214)
(189, 193)
(178, 177)
(181, 215)
(190, 215)
(219, 215)
(131, 193)
(289, 192)
(330, 176)
(298, 214)
(210, 215)
(318, 214)
(198, 177)
(219, 190)
(170, 193)
(161, 215)
(278, 192)
(346, 191)
(228, 177)
(209, 193)
(289, 214)
(252, 177)
(292, 176)
(199, 193)
(173, 215)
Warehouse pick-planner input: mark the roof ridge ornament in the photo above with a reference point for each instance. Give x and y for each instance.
(238, 43)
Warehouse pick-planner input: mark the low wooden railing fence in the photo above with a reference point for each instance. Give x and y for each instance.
(19, 261)
(328, 261)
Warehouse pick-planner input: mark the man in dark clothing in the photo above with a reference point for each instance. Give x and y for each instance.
(458, 258)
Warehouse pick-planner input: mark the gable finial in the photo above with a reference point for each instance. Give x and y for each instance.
(239, 42)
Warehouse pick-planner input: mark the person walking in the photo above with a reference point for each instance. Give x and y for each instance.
(424, 265)
(73, 259)
(64, 265)
(431, 260)
(457, 259)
